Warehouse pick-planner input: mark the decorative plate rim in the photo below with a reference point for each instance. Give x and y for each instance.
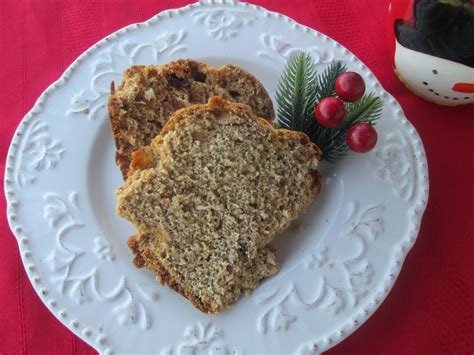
(95, 338)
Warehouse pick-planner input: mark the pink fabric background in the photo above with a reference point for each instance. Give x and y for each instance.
(431, 308)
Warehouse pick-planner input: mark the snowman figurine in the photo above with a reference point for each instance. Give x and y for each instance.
(433, 46)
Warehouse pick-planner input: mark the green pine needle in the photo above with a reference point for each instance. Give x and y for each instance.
(367, 109)
(327, 80)
(301, 88)
(296, 92)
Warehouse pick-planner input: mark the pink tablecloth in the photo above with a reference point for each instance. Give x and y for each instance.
(429, 311)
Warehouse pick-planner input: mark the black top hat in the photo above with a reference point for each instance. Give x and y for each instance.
(442, 28)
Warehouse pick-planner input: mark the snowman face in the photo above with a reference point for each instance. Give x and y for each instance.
(435, 79)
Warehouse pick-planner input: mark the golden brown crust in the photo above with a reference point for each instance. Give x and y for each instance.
(134, 245)
(148, 95)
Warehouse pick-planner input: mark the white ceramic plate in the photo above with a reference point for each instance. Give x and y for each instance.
(337, 265)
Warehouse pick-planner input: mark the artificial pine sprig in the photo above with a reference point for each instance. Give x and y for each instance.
(299, 91)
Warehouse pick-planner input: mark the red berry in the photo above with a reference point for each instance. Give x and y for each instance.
(361, 137)
(330, 112)
(350, 86)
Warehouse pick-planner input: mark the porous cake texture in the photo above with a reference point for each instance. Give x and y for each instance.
(209, 194)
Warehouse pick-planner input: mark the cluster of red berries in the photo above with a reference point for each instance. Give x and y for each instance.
(331, 112)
